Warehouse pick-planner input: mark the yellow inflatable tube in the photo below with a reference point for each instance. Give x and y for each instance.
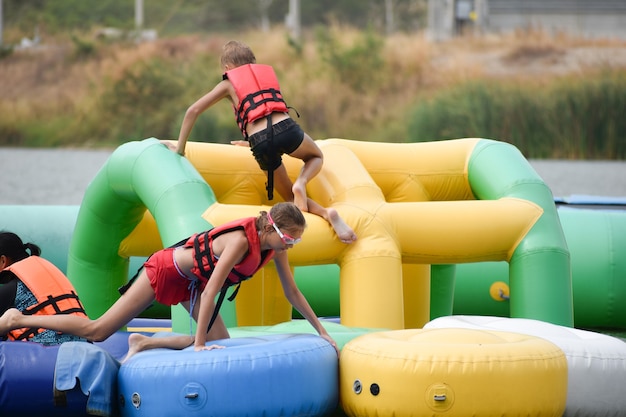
(412, 206)
(409, 204)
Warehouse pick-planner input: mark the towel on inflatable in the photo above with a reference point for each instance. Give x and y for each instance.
(96, 372)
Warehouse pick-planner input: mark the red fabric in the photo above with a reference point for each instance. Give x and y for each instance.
(169, 286)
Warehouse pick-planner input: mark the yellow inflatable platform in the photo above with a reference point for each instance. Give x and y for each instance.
(412, 206)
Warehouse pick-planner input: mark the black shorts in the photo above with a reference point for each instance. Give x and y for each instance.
(287, 138)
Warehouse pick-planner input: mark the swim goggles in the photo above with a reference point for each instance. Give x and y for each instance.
(287, 240)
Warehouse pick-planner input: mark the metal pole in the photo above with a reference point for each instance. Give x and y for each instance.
(294, 18)
(138, 14)
(389, 22)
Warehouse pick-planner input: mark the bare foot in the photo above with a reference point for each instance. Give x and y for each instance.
(136, 343)
(299, 196)
(344, 232)
(209, 347)
(9, 319)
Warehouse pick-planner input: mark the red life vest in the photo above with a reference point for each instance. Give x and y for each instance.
(205, 259)
(55, 293)
(258, 91)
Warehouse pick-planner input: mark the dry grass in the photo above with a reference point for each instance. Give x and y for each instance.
(53, 80)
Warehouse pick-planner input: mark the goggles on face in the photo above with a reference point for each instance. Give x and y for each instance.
(287, 240)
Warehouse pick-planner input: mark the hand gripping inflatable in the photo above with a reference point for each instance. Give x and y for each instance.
(412, 206)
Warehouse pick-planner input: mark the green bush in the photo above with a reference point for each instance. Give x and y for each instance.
(572, 118)
(142, 102)
(5, 51)
(83, 48)
(360, 65)
(590, 114)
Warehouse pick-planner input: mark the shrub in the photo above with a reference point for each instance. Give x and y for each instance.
(573, 118)
(359, 65)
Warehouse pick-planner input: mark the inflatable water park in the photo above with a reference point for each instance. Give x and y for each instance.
(471, 290)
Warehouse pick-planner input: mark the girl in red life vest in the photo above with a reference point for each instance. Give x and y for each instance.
(194, 274)
(263, 118)
(33, 285)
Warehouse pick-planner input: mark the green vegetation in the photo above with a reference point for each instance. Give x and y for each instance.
(202, 16)
(79, 88)
(572, 117)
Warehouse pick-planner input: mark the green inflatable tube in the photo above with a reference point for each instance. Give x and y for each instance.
(473, 296)
(137, 176)
(598, 245)
(323, 281)
(597, 242)
(442, 281)
(539, 269)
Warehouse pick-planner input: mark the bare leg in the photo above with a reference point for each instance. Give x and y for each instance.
(138, 343)
(133, 302)
(296, 193)
(343, 231)
(313, 159)
(284, 187)
(298, 190)
(218, 330)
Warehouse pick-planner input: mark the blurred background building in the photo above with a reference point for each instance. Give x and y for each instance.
(581, 18)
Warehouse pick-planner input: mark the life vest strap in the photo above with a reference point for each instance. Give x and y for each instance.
(206, 254)
(242, 112)
(30, 332)
(203, 254)
(270, 173)
(53, 302)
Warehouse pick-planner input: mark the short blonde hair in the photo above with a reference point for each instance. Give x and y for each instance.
(236, 54)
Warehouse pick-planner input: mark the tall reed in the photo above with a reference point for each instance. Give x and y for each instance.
(574, 117)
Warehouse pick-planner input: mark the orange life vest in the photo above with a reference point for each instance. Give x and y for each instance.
(258, 91)
(55, 293)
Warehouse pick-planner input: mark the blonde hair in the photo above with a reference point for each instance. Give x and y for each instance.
(236, 54)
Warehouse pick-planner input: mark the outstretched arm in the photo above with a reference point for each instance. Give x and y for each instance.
(235, 246)
(219, 92)
(297, 299)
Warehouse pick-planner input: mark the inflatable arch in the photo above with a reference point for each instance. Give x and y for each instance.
(412, 205)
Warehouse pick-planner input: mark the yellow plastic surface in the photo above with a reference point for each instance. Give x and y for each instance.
(412, 207)
(452, 372)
